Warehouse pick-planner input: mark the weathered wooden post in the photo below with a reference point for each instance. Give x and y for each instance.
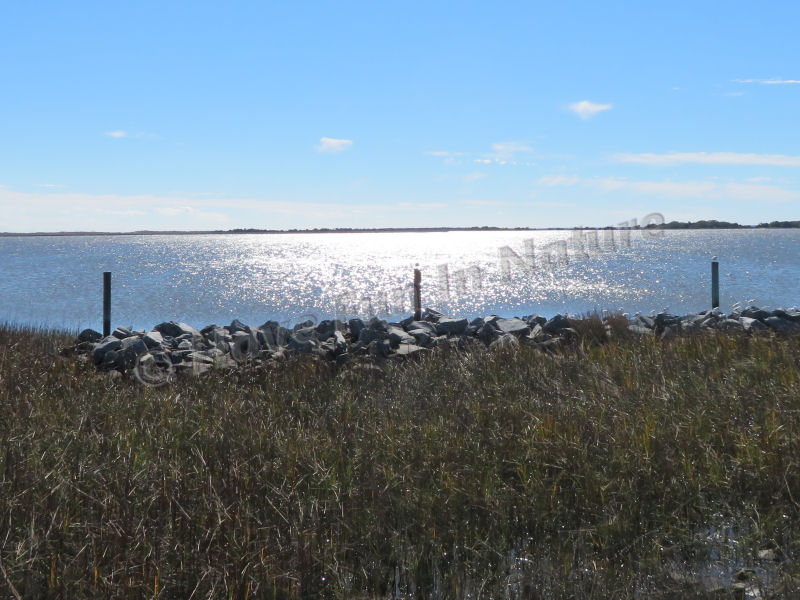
(417, 295)
(714, 283)
(106, 303)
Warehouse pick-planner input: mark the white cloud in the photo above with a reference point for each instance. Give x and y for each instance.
(485, 203)
(333, 145)
(558, 180)
(710, 158)
(477, 176)
(702, 190)
(586, 110)
(509, 149)
(444, 153)
(550, 204)
(116, 134)
(49, 185)
(770, 81)
(503, 153)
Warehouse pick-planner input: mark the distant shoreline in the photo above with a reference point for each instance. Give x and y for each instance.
(671, 225)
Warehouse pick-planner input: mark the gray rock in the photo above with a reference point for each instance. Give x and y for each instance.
(206, 331)
(783, 326)
(491, 320)
(431, 315)
(303, 340)
(185, 345)
(169, 329)
(751, 325)
(200, 358)
(132, 348)
(488, 333)
(112, 359)
(325, 329)
(790, 315)
(398, 336)
(377, 324)
(105, 346)
(340, 344)
(556, 324)
(303, 325)
(534, 320)
(648, 322)
(421, 326)
(193, 368)
(245, 346)
(728, 325)
(89, 335)
(409, 350)
(380, 348)
(514, 326)
(448, 326)
(369, 335)
(474, 326)
(422, 338)
(665, 319)
(153, 339)
(121, 333)
(237, 326)
(189, 330)
(272, 336)
(707, 322)
(538, 333)
(355, 326)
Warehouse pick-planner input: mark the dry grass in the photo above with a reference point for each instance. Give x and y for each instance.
(581, 474)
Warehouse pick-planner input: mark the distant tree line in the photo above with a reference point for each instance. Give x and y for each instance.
(714, 224)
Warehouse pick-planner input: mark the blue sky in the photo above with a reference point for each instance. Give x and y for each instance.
(206, 115)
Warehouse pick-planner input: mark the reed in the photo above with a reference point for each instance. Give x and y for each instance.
(591, 472)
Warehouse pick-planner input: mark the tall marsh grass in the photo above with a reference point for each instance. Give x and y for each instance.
(584, 473)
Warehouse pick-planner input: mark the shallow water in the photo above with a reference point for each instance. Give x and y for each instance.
(202, 279)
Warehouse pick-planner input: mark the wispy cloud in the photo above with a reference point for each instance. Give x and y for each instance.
(509, 149)
(558, 180)
(116, 134)
(333, 145)
(701, 190)
(445, 153)
(550, 204)
(586, 109)
(485, 203)
(50, 185)
(769, 81)
(710, 158)
(476, 176)
(503, 153)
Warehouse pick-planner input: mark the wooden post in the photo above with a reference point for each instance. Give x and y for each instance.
(106, 303)
(417, 295)
(714, 284)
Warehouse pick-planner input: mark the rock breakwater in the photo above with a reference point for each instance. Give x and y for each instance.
(173, 348)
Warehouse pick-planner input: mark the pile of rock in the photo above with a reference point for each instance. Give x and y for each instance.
(748, 320)
(177, 347)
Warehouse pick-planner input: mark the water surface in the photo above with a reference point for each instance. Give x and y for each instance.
(202, 279)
